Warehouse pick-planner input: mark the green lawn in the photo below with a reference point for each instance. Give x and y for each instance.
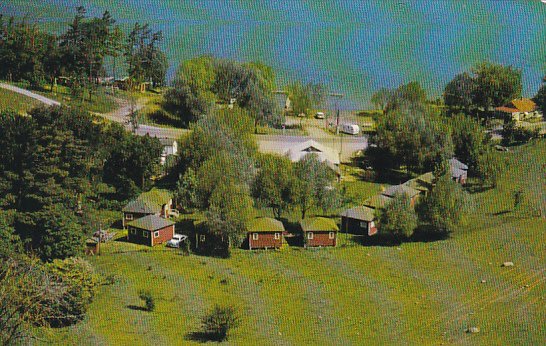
(17, 102)
(418, 293)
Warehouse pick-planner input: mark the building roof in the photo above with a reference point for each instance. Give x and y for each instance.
(456, 173)
(454, 163)
(314, 224)
(360, 213)
(417, 184)
(427, 178)
(394, 190)
(518, 105)
(377, 201)
(299, 150)
(167, 142)
(265, 224)
(150, 202)
(150, 223)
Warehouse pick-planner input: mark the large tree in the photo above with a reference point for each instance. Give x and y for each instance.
(470, 140)
(445, 207)
(274, 184)
(540, 97)
(495, 85)
(313, 179)
(304, 97)
(459, 92)
(398, 218)
(412, 136)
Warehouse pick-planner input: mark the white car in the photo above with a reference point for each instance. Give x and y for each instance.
(319, 115)
(177, 240)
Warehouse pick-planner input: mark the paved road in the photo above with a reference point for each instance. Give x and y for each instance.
(346, 145)
(30, 94)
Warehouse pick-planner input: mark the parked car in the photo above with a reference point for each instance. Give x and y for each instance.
(174, 213)
(319, 115)
(177, 240)
(351, 129)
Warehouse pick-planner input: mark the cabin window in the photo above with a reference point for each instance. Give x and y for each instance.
(277, 236)
(202, 237)
(132, 230)
(128, 216)
(309, 235)
(254, 236)
(363, 224)
(156, 234)
(332, 235)
(145, 234)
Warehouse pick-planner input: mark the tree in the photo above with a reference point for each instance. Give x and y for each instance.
(229, 210)
(145, 60)
(489, 167)
(313, 177)
(60, 235)
(11, 242)
(217, 324)
(470, 140)
(80, 281)
(445, 207)
(459, 92)
(513, 133)
(398, 218)
(381, 97)
(148, 299)
(274, 184)
(495, 85)
(300, 99)
(540, 97)
(415, 137)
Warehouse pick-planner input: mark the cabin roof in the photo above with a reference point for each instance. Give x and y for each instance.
(150, 223)
(265, 224)
(318, 224)
(360, 213)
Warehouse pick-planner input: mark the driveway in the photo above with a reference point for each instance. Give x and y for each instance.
(30, 94)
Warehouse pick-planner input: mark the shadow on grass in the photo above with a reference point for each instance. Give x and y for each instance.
(201, 337)
(499, 213)
(136, 308)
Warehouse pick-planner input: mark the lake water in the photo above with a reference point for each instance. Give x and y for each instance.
(354, 47)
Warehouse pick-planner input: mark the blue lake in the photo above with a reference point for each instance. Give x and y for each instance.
(354, 47)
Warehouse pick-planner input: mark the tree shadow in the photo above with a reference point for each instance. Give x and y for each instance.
(201, 337)
(384, 240)
(499, 213)
(426, 235)
(473, 188)
(136, 308)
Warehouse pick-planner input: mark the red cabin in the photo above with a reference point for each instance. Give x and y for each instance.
(319, 231)
(265, 233)
(150, 230)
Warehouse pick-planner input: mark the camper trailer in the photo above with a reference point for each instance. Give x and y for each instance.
(350, 129)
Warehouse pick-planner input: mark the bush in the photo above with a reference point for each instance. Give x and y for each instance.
(148, 299)
(218, 323)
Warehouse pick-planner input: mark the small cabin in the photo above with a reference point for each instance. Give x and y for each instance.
(265, 233)
(150, 230)
(394, 190)
(359, 221)
(170, 147)
(319, 232)
(458, 170)
(154, 202)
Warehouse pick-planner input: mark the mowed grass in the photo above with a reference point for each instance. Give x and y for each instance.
(16, 102)
(417, 293)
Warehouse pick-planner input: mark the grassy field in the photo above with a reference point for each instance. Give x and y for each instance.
(17, 102)
(417, 293)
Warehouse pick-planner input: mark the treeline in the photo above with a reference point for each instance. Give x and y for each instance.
(79, 53)
(56, 166)
(221, 174)
(203, 82)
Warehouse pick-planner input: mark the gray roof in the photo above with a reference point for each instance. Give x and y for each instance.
(392, 191)
(456, 173)
(167, 142)
(360, 213)
(454, 163)
(150, 223)
(138, 206)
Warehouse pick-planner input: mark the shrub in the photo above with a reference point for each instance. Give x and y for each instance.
(218, 323)
(148, 299)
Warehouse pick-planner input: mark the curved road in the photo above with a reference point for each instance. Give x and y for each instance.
(346, 145)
